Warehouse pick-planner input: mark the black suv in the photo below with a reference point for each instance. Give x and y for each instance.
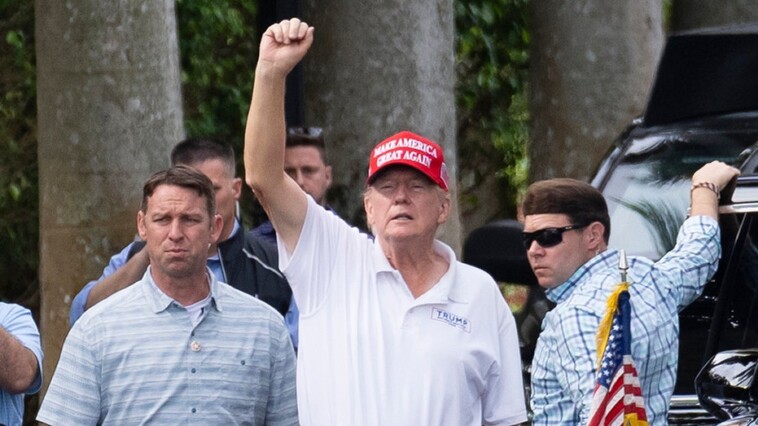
(703, 107)
(728, 385)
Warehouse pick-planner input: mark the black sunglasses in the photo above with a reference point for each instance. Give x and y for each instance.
(313, 132)
(548, 237)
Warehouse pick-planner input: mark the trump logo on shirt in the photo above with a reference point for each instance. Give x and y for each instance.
(451, 319)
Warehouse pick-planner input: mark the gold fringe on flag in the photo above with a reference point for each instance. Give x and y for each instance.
(605, 324)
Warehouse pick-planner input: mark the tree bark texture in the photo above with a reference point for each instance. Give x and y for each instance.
(109, 105)
(377, 68)
(592, 66)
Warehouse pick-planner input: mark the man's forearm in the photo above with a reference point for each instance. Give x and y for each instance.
(131, 272)
(19, 364)
(265, 123)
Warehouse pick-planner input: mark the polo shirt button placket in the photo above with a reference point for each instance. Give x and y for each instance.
(194, 346)
(407, 317)
(412, 321)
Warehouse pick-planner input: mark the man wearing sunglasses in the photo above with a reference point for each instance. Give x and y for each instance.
(566, 231)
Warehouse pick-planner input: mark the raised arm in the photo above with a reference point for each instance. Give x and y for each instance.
(283, 45)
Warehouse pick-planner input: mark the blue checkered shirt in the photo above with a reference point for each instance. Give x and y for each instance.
(563, 368)
(136, 358)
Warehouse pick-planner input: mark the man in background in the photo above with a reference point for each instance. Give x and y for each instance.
(305, 162)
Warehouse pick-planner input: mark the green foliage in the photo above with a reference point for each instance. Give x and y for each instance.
(492, 53)
(668, 8)
(19, 218)
(218, 44)
(218, 47)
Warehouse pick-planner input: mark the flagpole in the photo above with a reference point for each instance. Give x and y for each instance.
(617, 398)
(623, 265)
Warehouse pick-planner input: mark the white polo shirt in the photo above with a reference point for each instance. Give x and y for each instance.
(371, 354)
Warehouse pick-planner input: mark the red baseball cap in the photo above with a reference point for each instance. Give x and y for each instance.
(409, 149)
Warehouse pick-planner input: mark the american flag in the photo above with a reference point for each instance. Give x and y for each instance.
(618, 398)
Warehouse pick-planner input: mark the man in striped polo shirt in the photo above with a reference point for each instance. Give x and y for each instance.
(177, 347)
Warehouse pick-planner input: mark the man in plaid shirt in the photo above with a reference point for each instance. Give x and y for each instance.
(566, 231)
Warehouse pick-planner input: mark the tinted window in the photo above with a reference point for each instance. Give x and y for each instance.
(648, 189)
(645, 215)
(739, 325)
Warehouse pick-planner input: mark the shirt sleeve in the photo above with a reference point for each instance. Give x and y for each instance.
(291, 321)
(19, 323)
(684, 270)
(308, 267)
(74, 393)
(282, 401)
(80, 300)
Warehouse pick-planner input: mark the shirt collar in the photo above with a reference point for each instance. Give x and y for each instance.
(599, 261)
(235, 229)
(446, 287)
(381, 264)
(159, 301)
(444, 290)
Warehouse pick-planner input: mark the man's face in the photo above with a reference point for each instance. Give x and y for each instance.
(305, 165)
(402, 203)
(554, 265)
(227, 189)
(177, 231)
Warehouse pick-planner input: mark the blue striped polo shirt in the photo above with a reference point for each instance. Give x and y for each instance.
(136, 358)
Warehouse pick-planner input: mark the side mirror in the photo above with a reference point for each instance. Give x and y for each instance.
(727, 386)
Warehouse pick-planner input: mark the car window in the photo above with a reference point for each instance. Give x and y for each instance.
(648, 189)
(644, 216)
(739, 329)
